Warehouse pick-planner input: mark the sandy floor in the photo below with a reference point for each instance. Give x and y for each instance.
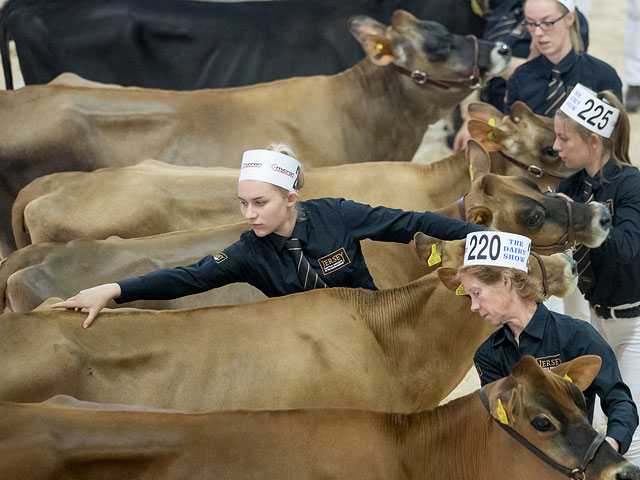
(607, 25)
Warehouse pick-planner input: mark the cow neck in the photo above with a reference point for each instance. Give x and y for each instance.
(396, 112)
(425, 443)
(405, 321)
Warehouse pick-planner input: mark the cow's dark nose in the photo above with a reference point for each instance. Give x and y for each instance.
(605, 221)
(630, 473)
(574, 268)
(504, 49)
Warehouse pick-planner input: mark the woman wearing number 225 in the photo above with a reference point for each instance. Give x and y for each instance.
(592, 134)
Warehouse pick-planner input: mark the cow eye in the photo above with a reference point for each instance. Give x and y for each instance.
(534, 219)
(549, 151)
(542, 424)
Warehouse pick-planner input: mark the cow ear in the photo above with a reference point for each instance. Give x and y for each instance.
(477, 158)
(581, 370)
(489, 137)
(447, 276)
(485, 112)
(429, 249)
(372, 36)
(480, 215)
(502, 400)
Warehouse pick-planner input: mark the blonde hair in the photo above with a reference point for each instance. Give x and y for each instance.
(618, 145)
(574, 33)
(286, 150)
(527, 287)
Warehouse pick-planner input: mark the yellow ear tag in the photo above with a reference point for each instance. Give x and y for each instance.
(471, 172)
(460, 290)
(567, 377)
(434, 258)
(492, 122)
(479, 219)
(379, 47)
(502, 413)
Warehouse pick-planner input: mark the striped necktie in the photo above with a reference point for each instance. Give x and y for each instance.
(582, 254)
(505, 25)
(308, 276)
(556, 93)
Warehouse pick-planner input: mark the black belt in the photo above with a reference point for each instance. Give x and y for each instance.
(605, 312)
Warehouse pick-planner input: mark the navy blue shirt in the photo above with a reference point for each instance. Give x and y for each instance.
(552, 338)
(518, 39)
(330, 230)
(616, 263)
(529, 82)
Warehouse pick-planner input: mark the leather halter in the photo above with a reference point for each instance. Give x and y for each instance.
(545, 279)
(573, 473)
(569, 238)
(564, 242)
(472, 80)
(534, 170)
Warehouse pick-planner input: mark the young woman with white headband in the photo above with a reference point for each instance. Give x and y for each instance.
(292, 246)
(592, 134)
(504, 294)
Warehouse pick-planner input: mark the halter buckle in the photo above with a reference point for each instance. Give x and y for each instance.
(535, 171)
(419, 77)
(577, 474)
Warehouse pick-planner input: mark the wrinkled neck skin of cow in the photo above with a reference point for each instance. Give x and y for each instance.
(450, 457)
(414, 108)
(404, 318)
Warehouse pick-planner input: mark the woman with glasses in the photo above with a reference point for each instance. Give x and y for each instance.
(505, 24)
(557, 60)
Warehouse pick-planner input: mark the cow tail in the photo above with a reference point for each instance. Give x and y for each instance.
(4, 48)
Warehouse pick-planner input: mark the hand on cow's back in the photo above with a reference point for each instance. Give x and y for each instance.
(93, 299)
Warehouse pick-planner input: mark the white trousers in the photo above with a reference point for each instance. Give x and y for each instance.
(632, 44)
(623, 335)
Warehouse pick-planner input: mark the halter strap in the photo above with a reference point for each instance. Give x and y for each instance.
(573, 473)
(472, 80)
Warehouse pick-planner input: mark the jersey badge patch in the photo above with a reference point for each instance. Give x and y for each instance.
(334, 261)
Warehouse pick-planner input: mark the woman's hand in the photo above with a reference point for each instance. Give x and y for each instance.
(614, 443)
(94, 299)
(462, 136)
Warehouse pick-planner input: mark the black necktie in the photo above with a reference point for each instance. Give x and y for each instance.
(582, 254)
(309, 278)
(505, 25)
(556, 92)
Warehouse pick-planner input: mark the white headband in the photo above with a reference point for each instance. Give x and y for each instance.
(498, 249)
(588, 110)
(271, 167)
(569, 4)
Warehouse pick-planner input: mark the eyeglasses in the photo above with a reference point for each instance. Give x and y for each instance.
(545, 26)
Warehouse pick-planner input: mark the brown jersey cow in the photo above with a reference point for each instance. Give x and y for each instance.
(459, 440)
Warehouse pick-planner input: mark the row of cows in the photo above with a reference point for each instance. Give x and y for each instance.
(372, 365)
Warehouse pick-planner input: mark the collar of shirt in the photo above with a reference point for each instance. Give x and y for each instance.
(535, 328)
(610, 170)
(299, 232)
(565, 64)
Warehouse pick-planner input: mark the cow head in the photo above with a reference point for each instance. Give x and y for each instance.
(427, 47)
(523, 138)
(547, 408)
(560, 273)
(516, 204)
